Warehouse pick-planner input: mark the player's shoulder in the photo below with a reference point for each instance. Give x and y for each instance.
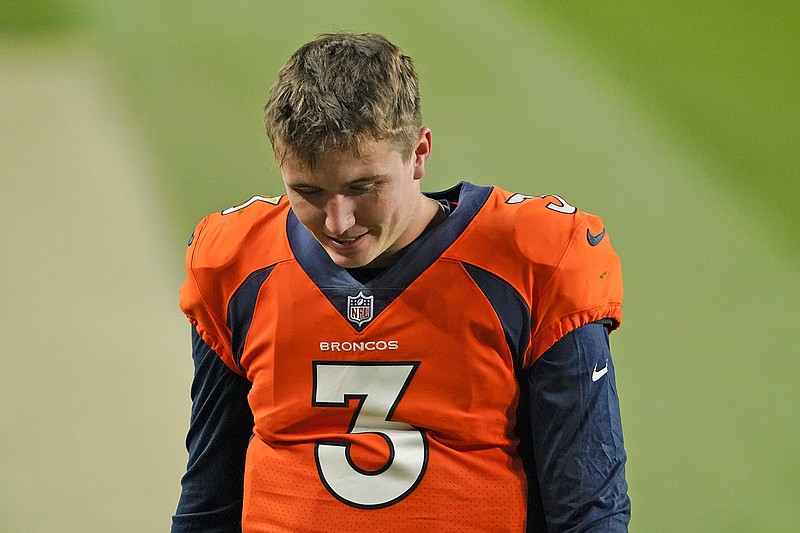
(253, 228)
(543, 227)
(549, 211)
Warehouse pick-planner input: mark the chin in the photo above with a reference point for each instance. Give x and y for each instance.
(348, 262)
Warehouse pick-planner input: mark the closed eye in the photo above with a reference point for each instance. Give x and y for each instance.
(364, 186)
(306, 191)
(359, 189)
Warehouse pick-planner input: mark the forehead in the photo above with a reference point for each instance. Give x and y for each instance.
(375, 158)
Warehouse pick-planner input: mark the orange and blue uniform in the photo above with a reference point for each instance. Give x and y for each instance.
(430, 397)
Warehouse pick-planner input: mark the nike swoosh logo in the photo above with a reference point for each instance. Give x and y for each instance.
(594, 240)
(597, 374)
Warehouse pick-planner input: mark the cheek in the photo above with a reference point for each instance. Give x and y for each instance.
(309, 215)
(379, 214)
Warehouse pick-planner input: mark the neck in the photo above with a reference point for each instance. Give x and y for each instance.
(431, 214)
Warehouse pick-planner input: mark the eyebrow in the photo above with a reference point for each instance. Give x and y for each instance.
(366, 179)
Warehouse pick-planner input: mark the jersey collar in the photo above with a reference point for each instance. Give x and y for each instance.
(341, 288)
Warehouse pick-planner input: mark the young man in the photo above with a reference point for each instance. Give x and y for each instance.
(372, 358)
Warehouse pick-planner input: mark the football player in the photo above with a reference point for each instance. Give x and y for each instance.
(369, 357)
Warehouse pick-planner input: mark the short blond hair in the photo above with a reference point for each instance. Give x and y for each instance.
(340, 90)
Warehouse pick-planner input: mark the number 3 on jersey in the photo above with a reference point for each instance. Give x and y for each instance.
(378, 387)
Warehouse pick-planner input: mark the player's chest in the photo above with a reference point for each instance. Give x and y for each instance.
(434, 353)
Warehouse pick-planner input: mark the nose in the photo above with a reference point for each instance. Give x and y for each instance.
(339, 215)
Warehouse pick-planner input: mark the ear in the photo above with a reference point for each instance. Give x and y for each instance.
(422, 152)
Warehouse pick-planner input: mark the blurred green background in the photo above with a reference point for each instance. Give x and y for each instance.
(124, 122)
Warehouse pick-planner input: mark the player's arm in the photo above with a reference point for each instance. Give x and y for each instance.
(219, 432)
(576, 433)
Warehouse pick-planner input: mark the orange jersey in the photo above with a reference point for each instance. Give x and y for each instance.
(390, 405)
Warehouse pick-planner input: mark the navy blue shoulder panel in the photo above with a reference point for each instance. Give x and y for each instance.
(337, 284)
(240, 310)
(510, 307)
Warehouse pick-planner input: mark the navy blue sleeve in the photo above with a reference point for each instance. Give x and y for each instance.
(576, 431)
(219, 431)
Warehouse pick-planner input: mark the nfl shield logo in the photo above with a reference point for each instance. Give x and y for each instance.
(359, 308)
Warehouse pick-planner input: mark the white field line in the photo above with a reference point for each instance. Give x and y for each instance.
(95, 367)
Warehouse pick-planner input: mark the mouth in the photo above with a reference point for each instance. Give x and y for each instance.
(346, 242)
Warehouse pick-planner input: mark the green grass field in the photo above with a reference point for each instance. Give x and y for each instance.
(125, 122)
